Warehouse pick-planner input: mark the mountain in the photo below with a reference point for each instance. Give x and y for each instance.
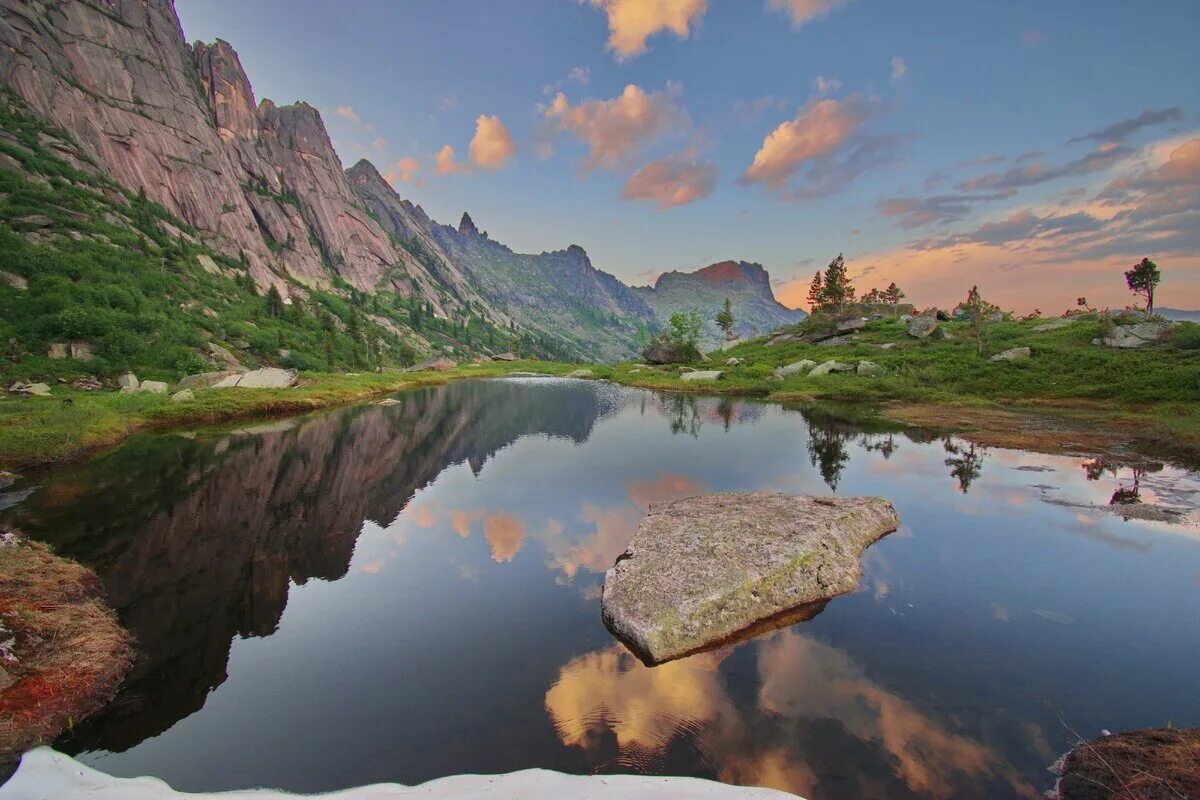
(1178, 314)
(747, 285)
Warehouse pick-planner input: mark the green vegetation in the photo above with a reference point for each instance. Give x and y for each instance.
(1142, 279)
(725, 318)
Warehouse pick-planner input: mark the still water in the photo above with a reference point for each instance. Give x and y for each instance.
(405, 592)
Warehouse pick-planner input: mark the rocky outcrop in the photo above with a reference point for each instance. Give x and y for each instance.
(1150, 764)
(1012, 354)
(747, 285)
(435, 364)
(1139, 335)
(701, 570)
(701, 375)
(266, 378)
(923, 327)
(795, 368)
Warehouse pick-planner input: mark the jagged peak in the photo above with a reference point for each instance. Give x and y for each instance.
(466, 225)
(364, 171)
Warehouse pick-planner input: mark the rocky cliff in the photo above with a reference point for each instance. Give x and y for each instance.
(747, 285)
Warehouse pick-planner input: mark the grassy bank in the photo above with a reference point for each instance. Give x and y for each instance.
(62, 652)
(69, 424)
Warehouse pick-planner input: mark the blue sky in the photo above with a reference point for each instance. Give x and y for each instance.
(937, 144)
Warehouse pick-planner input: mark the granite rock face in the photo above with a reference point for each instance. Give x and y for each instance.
(701, 570)
(1139, 335)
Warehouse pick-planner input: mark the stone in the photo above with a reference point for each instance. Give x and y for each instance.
(785, 337)
(1139, 335)
(1012, 354)
(887, 345)
(794, 368)
(34, 389)
(869, 369)
(1054, 325)
(13, 281)
(222, 355)
(7, 479)
(86, 384)
(435, 364)
(153, 387)
(659, 350)
(830, 366)
(387, 401)
(127, 382)
(996, 316)
(207, 264)
(734, 362)
(729, 344)
(265, 378)
(57, 351)
(183, 396)
(32, 221)
(202, 380)
(702, 375)
(850, 325)
(922, 327)
(579, 373)
(836, 341)
(702, 570)
(505, 357)
(82, 351)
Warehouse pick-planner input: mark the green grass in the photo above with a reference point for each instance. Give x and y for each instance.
(69, 424)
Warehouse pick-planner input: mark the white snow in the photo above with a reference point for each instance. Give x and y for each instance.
(48, 775)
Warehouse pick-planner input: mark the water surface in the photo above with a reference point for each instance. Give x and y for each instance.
(401, 593)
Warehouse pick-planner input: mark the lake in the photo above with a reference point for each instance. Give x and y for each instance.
(398, 593)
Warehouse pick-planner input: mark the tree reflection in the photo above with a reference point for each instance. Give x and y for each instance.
(884, 445)
(684, 414)
(827, 452)
(1123, 494)
(965, 462)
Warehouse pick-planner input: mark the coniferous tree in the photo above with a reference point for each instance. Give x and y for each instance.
(892, 294)
(725, 318)
(815, 292)
(836, 290)
(274, 302)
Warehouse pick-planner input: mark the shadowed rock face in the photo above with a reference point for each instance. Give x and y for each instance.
(704, 569)
(209, 552)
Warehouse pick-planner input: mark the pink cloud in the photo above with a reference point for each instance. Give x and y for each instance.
(615, 130)
(818, 131)
(403, 171)
(444, 163)
(805, 11)
(492, 144)
(632, 22)
(672, 181)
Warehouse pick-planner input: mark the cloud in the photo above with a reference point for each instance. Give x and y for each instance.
(672, 181)
(444, 163)
(820, 129)
(805, 11)
(506, 534)
(899, 69)
(350, 115)
(823, 86)
(1020, 227)
(915, 212)
(379, 145)
(615, 130)
(580, 75)
(1120, 131)
(403, 170)
(1032, 174)
(632, 22)
(492, 144)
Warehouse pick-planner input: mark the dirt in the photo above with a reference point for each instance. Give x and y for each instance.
(62, 651)
(1151, 764)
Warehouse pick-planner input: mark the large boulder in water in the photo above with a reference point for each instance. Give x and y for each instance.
(702, 570)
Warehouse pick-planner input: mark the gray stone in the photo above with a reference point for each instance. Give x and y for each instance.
(435, 364)
(702, 375)
(703, 570)
(57, 351)
(922, 327)
(836, 341)
(579, 373)
(729, 344)
(33, 221)
(7, 479)
(35, 389)
(183, 396)
(222, 355)
(505, 357)
(128, 382)
(265, 378)
(830, 366)
(785, 337)
(387, 401)
(869, 369)
(1139, 335)
(81, 351)
(851, 325)
(202, 380)
(13, 281)
(794, 368)
(153, 387)
(1055, 324)
(1012, 354)
(734, 362)
(887, 346)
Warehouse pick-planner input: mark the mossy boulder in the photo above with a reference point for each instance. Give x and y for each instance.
(704, 570)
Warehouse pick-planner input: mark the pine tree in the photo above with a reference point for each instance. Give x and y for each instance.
(725, 319)
(892, 293)
(837, 289)
(816, 291)
(274, 302)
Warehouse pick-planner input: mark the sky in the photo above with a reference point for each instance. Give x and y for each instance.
(1036, 149)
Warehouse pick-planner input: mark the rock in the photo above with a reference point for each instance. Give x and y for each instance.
(207, 264)
(659, 350)
(996, 316)
(942, 316)
(202, 380)
(223, 356)
(734, 362)
(922, 327)
(794, 368)
(13, 281)
(86, 384)
(887, 345)
(1054, 325)
(1139, 335)
(57, 351)
(850, 325)
(32, 221)
(435, 364)
(387, 401)
(579, 373)
(830, 366)
(153, 387)
(183, 396)
(35, 389)
(7, 479)
(785, 337)
(701, 570)
(869, 369)
(505, 357)
(1012, 354)
(127, 382)
(702, 375)
(729, 344)
(836, 341)
(1149, 764)
(265, 378)
(283, 352)
(81, 351)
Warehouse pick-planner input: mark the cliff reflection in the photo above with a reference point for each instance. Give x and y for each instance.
(207, 550)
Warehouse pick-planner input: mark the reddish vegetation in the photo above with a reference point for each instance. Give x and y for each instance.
(721, 272)
(70, 653)
(1152, 764)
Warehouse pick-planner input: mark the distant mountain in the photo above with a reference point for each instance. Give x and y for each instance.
(747, 285)
(1179, 314)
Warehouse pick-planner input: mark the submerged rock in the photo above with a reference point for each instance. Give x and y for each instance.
(702, 570)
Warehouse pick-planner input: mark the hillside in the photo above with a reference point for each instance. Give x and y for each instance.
(1178, 314)
(747, 285)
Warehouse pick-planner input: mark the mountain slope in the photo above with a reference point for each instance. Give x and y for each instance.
(747, 285)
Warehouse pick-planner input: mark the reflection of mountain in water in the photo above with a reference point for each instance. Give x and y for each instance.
(207, 549)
